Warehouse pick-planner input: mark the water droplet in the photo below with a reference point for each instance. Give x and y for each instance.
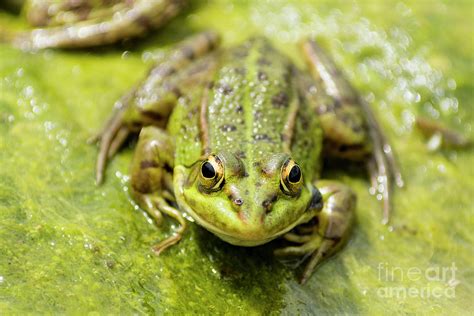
(125, 54)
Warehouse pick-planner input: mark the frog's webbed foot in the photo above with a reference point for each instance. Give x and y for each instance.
(157, 206)
(350, 127)
(325, 237)
(317, 248)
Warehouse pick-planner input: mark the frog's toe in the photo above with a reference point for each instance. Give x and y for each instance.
(111, 138)
(165, 244)
(297, 238)
(309, 244)
(324, 250)
(156, 206)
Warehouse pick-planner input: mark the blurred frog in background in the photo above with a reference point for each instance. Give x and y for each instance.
(88, 23)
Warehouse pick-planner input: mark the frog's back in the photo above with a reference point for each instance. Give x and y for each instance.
(251, 108)
(249, 102)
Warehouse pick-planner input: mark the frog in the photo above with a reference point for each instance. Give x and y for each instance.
(233, 139)
(72, 24)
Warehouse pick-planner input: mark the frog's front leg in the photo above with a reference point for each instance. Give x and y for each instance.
(151, 180)
(330, 231)
(100, 26)
(350, 128)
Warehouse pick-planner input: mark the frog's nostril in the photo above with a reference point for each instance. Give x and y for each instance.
(267, 204)
(238, 201)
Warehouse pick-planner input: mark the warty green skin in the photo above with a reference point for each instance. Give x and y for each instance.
(87, 23)
(250, 109)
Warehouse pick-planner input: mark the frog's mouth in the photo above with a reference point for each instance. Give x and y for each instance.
(239, 240)
(234, 239)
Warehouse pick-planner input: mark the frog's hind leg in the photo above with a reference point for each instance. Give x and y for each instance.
(350, 128)
(75, 27)
(330, 231)
(151, 102)
(151, 180)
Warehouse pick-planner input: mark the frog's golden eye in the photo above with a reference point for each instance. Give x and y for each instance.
(212, 174)
(291, 178)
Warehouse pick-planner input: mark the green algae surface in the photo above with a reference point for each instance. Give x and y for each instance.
(68, 246)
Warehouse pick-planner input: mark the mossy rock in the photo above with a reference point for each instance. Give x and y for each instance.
(68, 246)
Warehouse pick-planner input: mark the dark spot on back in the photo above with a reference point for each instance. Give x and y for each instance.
(227, 128)
(259, 137)
(280, 100)
(224, 88)
(257, 115)
(239, 109)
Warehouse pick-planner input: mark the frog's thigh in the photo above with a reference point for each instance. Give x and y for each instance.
(342, 118)
(350, 127)
(151, 180)
(334, 223)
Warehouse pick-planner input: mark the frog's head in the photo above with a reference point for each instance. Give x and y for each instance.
(246, 203)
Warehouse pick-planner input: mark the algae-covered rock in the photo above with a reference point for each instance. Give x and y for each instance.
(68, 246)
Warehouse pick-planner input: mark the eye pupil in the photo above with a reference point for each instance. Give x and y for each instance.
(208, 170)
(295, 174)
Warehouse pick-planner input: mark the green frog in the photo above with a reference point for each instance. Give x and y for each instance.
(86, 23)
(234, 138)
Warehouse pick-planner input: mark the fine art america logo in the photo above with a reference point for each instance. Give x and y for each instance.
(433, 282)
